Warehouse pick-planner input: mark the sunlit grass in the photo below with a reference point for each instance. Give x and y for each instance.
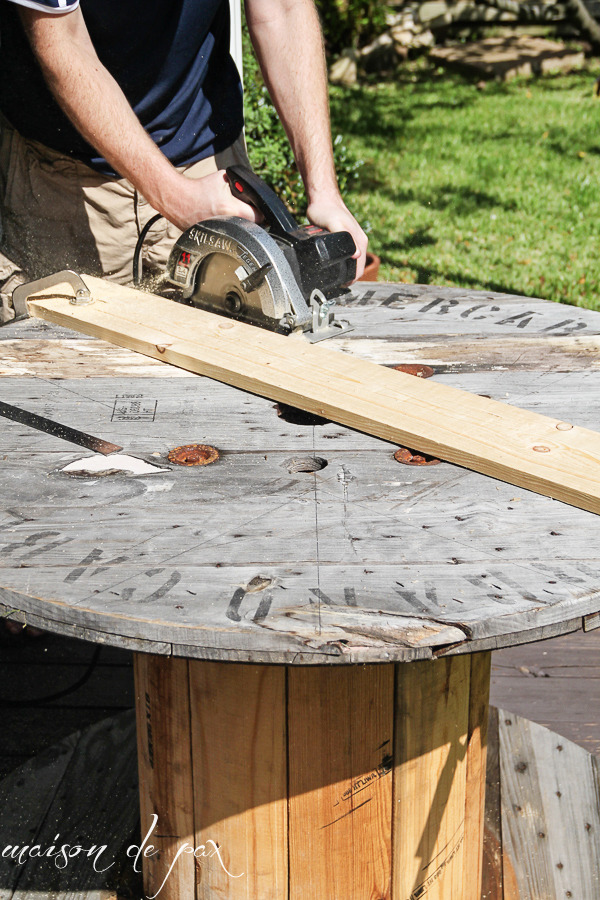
(492, 189)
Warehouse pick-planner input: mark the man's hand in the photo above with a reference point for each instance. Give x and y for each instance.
(185, 201)
(335, 216)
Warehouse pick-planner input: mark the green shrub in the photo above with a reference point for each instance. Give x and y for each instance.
(268, 147)
(351, 23)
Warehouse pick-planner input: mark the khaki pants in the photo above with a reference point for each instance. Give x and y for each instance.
(57, 213)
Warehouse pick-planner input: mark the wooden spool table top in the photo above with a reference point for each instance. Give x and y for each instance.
(253, 559)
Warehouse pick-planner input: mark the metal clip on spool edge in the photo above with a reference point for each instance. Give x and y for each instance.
(82, 297)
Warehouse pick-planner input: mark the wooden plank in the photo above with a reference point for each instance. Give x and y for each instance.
(340, 781)
(479, 689)
(492, 880)
(240, 780)
(547, 702)
(591, 622)
(165, 775)
(430, 774)
(555, 683)
(499, 880)
(390, 405)
(550, 811)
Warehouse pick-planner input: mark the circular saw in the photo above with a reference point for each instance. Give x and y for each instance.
(280, 275)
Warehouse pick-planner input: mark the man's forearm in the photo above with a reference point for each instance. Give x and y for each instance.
(94, 102)
(286, 35)
(287, 38)
(98, 108)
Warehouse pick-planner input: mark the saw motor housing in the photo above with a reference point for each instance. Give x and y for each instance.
(287, 278)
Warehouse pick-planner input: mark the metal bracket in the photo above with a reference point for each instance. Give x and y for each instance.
(324, 325)
(21, 294)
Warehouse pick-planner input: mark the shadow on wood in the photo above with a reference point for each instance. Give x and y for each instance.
(84, 789)
(354, 782)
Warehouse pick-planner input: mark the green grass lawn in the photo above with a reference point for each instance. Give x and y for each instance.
(493, 189)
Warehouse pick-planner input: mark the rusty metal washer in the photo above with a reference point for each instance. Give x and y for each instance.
(193, 455)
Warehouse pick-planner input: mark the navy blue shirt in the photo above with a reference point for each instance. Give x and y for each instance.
(170, 57)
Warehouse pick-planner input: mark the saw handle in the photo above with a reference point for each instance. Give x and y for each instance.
(246, 185)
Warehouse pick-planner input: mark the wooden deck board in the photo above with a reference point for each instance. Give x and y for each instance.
(568, 700)
(83, 793)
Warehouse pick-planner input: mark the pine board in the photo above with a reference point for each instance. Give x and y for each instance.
(239, 739)
(430, 776)
(393, 406)
(475, 786)
(165, 771)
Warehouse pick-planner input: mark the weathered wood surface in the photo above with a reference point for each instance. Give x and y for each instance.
(555, 683)
(547, 810)
(365, 560)
(510, 873)
(546, 454)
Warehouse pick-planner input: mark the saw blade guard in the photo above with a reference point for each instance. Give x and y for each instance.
(233, 267)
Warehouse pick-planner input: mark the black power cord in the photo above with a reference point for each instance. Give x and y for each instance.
(137, 269)
(5, 702)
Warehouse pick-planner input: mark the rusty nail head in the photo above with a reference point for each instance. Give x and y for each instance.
(410, 458)
(193, 455)
(417, 369)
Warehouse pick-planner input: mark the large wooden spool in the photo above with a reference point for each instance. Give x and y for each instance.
(356, 782)
(260, 589)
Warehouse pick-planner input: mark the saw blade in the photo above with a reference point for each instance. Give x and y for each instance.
(221, 287)
(49, 426)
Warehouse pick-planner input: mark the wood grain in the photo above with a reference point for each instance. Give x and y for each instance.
(492, 880)
(550, 820)
(340, 781)
(468, 430)
(479, 694)
(430, 775)
(165, 774)
(556, 683)
(240, 781)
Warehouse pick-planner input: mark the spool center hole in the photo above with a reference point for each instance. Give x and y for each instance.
(305, 464)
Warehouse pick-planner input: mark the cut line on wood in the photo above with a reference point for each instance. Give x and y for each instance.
(541, 454)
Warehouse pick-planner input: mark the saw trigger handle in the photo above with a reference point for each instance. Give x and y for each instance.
(246, 185)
